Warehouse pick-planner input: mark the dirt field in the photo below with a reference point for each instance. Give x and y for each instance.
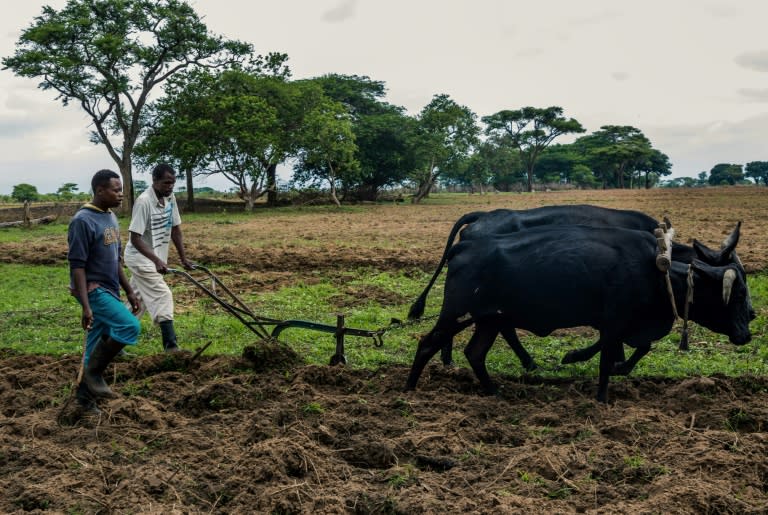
(264, 433)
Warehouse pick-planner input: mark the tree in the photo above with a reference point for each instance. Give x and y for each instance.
(107, 56)
(473, 172)
(360, 95)
(386, 151)
(655, 166)
(25, 193)
(757, 170)
(241, 141)
(187, 126)
(615, 152)
(384, 134)
(530, 130)
(173, 135)
(328, 145)
(489, 165)
(446, 133)
(67, 191)
(181, 125)
(563, 163)
(679, 182)
(725, 174)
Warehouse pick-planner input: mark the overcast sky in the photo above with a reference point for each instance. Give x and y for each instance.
(691, 74)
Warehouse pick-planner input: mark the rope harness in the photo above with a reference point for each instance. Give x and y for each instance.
(688, 301)
(664, 235)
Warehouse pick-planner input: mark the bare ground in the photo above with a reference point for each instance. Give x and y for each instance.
(265, 433)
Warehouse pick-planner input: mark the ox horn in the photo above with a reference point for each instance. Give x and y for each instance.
(728, 278)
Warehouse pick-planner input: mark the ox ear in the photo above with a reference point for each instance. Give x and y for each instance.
(729, 244)
(707, 254)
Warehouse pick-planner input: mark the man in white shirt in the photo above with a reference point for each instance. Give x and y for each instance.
(155, 222)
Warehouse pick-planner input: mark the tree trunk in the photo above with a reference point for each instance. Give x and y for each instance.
(333, 193)
(272, 185)
(332, 181)
(530, 180)
(251, 194)
(423, 190)
(190, 192)
(127, 176)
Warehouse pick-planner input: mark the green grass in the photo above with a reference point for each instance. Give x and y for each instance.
(34, 233)
(38, 316)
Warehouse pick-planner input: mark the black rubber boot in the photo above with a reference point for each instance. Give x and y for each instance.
(102, 355)
(85, 400)
(169, 336)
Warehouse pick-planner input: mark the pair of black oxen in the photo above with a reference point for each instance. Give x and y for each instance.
(565, 266)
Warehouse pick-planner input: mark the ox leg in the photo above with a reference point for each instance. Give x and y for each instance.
(476, 351)
(446, 352)
(587, 353)
(609, 351)
(623, 368)
(428, 347)
(510, 335)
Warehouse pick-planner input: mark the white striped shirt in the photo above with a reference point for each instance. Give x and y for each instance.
(153, 221)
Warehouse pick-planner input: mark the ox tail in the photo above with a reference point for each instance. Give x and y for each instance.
(417, 308)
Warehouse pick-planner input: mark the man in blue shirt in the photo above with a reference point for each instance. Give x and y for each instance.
(96, 275)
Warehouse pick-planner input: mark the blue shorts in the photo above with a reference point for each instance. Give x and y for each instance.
(111, 318)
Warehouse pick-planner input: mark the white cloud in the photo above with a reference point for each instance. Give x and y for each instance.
(757, 60)
(699, 147)
(344, 11)
(755, 95)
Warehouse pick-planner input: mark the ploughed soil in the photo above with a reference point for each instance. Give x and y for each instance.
(264, 432)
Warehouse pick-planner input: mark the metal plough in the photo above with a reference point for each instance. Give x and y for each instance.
(266, 328)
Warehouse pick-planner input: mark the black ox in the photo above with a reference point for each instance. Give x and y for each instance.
(481, 224)
(554, 277)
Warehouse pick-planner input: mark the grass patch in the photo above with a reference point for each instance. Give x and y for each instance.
(35, 233)
(37, 315)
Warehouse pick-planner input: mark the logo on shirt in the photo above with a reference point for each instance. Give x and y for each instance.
(111, 236)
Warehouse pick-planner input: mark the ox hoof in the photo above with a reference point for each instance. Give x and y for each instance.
(621, 369)
(490, 391)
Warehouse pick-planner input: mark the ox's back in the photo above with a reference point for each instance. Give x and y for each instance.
(553, 277)
(504, 221)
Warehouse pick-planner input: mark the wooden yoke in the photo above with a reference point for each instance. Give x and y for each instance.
(664, 234)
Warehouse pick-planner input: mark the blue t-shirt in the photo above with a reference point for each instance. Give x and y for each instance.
(94, 244)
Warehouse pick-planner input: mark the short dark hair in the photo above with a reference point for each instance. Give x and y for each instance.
(102, 178)
(160, 170)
